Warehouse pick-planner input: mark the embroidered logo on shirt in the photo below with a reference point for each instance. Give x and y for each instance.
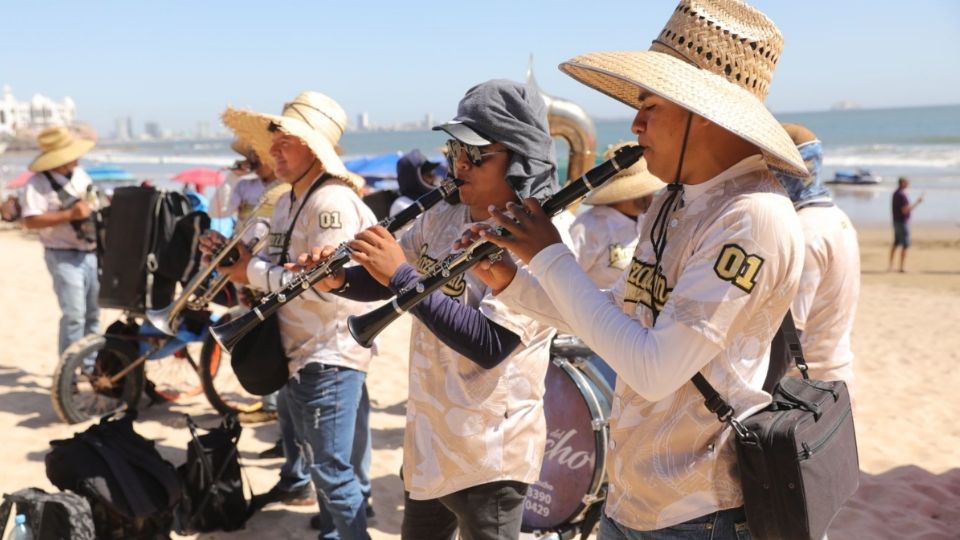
(330, 220)
(276, 240)
(738, 267)
(642, 288)
(618, 256)
(425, 265)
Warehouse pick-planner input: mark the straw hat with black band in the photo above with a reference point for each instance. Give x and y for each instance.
(631, 183)
(58, 147)
(312, 117)
(714, 58)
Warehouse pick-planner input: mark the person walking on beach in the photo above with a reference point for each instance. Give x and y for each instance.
(717, 264)
(54, 204)
(322, 401)
(901, 218)
(826, 302)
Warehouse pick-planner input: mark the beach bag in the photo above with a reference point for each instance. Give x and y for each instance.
(131, 489)
(797, 458)
(50, 516)
(142, 261)
(213, 497)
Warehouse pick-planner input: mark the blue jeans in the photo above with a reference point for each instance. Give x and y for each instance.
(294, 472)
(723, 525)
(322, 408)
(76, 285)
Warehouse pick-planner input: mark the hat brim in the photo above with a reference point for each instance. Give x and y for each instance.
(622, 74)
(624, 188)
(463, 133)
(61, 156)
(254, 128)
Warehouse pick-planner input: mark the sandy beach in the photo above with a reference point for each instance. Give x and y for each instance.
(907, 351)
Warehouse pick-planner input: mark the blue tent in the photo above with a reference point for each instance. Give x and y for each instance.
(109, 173)
(381, 166)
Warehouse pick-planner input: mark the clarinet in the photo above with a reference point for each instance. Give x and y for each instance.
(229, 334)
(364, 328)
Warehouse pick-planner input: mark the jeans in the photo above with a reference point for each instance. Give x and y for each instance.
(491, 511)
(294, 472)
(723, 525)
(322, 408)
(76, 285)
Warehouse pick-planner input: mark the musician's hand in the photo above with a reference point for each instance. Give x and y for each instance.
(496, 275)
(237, 271)
(378, 251)
(210, 242)
(309, 261)
(80, 210)
(530, 229)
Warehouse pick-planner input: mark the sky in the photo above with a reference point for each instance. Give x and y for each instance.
(182, 62)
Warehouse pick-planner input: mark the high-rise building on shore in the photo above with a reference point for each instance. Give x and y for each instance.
(38, 113)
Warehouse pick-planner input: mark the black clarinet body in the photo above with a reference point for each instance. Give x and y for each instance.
(364, 328)
(230, 333)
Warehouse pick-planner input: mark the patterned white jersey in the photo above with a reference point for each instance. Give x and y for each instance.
(604, 240)
(313, 326)
(39, 197)
(729, 270)
(826, 302)
(467, 425)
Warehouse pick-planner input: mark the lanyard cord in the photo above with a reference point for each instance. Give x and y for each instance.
(658, 233)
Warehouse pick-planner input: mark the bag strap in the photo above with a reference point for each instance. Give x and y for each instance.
(718, 406)
(293, 223)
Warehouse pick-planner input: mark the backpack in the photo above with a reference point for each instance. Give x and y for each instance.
(213, 497)
(131, 489)
(50, 516)
(149, 244)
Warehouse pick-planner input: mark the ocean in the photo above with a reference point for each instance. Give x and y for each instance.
(922, 143)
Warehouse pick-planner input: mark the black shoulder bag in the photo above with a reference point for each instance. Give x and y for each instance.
(84, 228)
(258, 359)
(797, 457)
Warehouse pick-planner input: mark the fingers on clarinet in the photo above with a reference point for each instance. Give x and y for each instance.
(532, 205)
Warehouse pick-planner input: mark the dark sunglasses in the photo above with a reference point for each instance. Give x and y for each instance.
(474, 153)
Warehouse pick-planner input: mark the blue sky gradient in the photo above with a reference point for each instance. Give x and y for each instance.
(180, 62)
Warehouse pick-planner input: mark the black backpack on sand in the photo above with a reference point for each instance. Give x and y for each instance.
(213, 497)
(131, 489)
(50, 516)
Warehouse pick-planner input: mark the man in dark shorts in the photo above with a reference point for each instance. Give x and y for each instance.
(901, 216)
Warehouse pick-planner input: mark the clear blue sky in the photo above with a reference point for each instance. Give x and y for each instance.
(179, 62)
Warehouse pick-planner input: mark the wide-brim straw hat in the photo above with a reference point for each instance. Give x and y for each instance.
(714, 58)
(633, 182)
(58, 147)
(312, 117)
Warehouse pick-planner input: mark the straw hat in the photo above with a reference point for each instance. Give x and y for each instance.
(633, 182)
(312, 117)
(58, 147)
(714, 58)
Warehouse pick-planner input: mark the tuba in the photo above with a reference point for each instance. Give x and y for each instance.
(203, 287)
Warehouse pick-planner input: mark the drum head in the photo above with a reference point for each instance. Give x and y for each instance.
(570, 467)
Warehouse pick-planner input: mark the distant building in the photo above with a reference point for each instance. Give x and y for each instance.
(203, 130)
(38, 113)
(428, 121)
(363, 121)
(124, 129)
(152, 130)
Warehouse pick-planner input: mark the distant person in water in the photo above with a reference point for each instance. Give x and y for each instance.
(901, 218)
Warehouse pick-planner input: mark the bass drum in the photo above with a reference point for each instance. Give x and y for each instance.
(577, 408)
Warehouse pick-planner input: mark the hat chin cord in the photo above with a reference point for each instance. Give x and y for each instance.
(309, 168)
(658, 233)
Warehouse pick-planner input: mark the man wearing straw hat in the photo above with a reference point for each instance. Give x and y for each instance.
(54, 204)
(826, 302)
(322, 400)
(605, 236)
(717, 265)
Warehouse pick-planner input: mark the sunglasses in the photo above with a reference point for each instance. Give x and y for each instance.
(474, 153)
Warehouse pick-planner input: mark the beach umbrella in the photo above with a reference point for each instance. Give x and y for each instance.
(109, 173)
(377, 166)
(200, 177)
(20, 180)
